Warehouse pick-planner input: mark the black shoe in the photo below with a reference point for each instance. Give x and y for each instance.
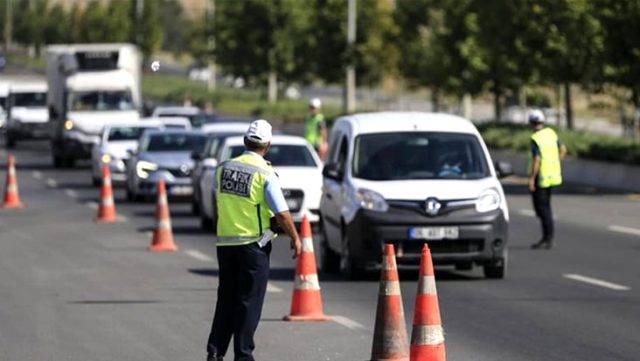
(212, 357)
(543, 243)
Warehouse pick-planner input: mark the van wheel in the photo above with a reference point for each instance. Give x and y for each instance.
(207, 223)
(195, 208)
(496, 269)
(329, 260)
(348, 265)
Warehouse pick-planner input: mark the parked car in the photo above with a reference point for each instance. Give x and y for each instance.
(294, 160)
(409, 179)
(116, 144)
(27, 114)
(194, 114)
(171, 122)
(217, 133)
(163, 154)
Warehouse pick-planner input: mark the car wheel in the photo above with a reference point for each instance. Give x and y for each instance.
(329, 260)
(206, 223)
(97, 182)
(349, 266)
(11, 142)
(68, 162)
(496, 269)
(57, 161)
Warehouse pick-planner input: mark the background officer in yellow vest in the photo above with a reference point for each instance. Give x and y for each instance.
(315, 128)
(545, 172)
(248, 199)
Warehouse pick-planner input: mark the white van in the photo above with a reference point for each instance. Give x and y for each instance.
(408, 178)
(27, 115)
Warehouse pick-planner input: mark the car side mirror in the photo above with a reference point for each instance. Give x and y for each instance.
(210, 162)
(196, 155)
(332, 171)
(503, 169)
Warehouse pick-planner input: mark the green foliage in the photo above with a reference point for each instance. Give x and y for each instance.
(150, 30)
(57, 27)
(175, 27)
(580, 144)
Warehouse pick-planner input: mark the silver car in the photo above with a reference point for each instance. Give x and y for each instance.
(163, 154)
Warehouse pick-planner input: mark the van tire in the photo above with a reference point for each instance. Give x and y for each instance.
(329, 260)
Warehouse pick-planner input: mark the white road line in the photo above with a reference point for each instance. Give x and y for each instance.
(92, 205)
(596, 282)
(36, 174)
(623, 229)
(527, 212)
(347, 322)
(123, 218)
(198, 255)
(71, 193)
(52, 182)
(271, 288)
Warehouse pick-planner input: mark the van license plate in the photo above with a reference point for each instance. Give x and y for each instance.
(434, 233)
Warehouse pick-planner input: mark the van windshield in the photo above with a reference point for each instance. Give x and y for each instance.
(100, 101)
(425, 155)
(29, 99)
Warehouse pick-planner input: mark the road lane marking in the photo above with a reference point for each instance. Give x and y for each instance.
(596, 282)
(271, 288)
(198, 255)
(123, 218)
(527, 212)
(52, 182)
(36, 174)
(347, 322)
(92, 205)
(71, 193)
(623, 229)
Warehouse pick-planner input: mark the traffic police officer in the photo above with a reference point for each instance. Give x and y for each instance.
(248, 196)
(544, 173)
(315, 128)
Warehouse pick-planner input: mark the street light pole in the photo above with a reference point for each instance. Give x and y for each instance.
(211, 43)
(8, 25)
(350, 86)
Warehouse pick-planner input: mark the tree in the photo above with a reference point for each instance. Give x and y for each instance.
(150, 30)
(56, 28)
(176, 28)
(94, 23)
(118, 23)
(30, 24)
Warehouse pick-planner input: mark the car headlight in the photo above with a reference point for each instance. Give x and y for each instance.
(143, 168)
(68, 125)
(106, 158)
(489, 200)
(371, 200)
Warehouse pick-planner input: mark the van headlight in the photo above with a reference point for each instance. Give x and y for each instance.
(106, 158)
(489, 200)
(143, 168)
(371, 200)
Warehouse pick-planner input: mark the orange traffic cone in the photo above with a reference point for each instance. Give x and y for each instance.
(162, 235)
(107, 209)
(306, 304)
(11, 196)
(390, 334)
(427, 336)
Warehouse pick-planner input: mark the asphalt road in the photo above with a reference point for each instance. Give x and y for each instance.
(71, 289)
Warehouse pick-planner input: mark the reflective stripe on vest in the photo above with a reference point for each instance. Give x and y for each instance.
(312, 128)
(243, 213)
(550, 173)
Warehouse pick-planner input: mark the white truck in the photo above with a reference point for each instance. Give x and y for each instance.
(90, 86)
(26, 112)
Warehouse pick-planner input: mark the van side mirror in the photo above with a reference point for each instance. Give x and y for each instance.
(210, 163)
(503, 169)
(332, 171)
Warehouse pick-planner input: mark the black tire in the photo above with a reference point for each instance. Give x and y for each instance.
(349, 266)
(329, 260)
(206, 223)
(96, 182)
(68, 162)
(11, 141)
(57, 161)
(496, 269)
(129, 194)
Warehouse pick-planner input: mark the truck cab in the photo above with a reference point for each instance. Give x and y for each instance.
(91, 86)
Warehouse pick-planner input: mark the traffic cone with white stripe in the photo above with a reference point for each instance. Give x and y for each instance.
(163, 234)
(390, 341)
(107, 209)
(427, 336)
(11, 195)
(306, 304)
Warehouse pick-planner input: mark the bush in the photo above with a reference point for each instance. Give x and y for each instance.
(580, 144)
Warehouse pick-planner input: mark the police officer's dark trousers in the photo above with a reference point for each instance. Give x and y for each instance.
(244, 271)
(542, 204)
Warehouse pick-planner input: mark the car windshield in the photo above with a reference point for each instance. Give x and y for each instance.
(125, 133)
(167, 142)
(100, 101)
(29, 99)
(214, 143)
(397, 156)
(284, 155)
(196, 120)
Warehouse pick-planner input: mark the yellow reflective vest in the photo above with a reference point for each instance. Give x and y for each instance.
(550, 173)
(243, 212)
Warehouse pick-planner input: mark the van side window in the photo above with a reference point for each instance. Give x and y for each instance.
(333, 149)
(342, 155)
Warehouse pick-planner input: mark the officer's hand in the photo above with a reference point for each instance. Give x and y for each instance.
(532, 185)
(296, 246)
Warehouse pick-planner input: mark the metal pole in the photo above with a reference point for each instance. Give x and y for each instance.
(350, 86)
(211, 43)
(8, 26)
